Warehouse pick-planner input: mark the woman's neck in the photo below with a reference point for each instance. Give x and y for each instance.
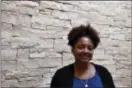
(81, 67)
(83, 70)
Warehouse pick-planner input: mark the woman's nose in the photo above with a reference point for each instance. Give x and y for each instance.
(86, 50)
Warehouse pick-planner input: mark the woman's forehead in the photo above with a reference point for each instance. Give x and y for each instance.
(84, 40)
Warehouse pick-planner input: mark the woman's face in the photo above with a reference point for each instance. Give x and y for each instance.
(83, 50)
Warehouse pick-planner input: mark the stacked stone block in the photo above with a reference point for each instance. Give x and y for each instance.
(34, 39)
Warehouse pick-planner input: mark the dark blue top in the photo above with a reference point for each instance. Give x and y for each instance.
(94, 82)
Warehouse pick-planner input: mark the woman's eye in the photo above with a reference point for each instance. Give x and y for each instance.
(80, 47)
(90, 48)
(83, 47)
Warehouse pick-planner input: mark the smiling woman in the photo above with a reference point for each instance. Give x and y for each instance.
(83, 40)
(83, 49)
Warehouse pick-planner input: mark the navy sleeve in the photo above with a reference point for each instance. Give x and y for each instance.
(106, 77)
(55, 80)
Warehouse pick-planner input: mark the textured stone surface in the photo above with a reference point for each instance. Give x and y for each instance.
(8, 65)
(34, 39)
(23, 53)
(49, 20)
(8, 17)
(23, 20)
(61, 45)
(9, 54)
(67, 59)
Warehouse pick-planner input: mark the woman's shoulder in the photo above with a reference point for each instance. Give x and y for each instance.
(100, 68)
(105, 76)
(65, 69)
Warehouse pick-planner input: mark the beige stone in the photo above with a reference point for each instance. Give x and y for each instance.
(23, 20)
(38, 71)
(120, 82)
(128, 37)
(9, 54)
(27, 3)
(6, 26)
(30, 81)
(9, 83)
(8, 65)
(68, 58)
(38, 26)
(49, 20)
(28, 10)
(8, 6)
(61, 46)
(65, 15)
(117, 36)
(57, 6)
(23, 53)
(34, 39)
(8, 17)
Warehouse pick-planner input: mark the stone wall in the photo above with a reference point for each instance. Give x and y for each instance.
(34, 39)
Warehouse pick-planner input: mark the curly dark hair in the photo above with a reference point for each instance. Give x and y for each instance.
(78, 32)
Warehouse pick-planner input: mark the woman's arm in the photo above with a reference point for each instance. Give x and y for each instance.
(55, 81)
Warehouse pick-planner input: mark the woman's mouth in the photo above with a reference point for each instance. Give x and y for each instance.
(86, 56)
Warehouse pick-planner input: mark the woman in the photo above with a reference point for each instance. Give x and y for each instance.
(83, 73)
